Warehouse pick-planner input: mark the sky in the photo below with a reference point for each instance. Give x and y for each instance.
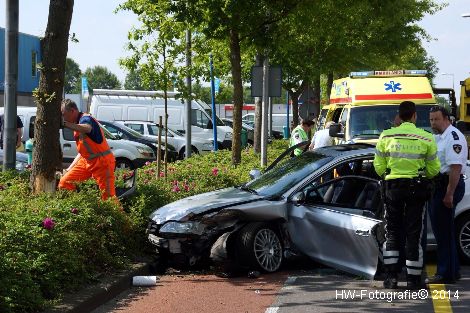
(102, 35)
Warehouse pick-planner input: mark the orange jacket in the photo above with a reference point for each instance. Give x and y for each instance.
(89, 149)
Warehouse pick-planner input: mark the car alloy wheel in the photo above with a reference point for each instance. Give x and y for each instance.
(268, 250)
(463, 237)
(258, 245)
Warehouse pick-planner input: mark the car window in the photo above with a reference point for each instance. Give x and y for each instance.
(350, 192)
(283, 177)
(67, 134)
(137, 127)
(198, 118)
(154, 130)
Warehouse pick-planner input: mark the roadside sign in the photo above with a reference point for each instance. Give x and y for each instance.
(85, 93)
(275, 81)
(216, 85)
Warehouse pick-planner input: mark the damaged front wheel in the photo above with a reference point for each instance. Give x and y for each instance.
(258, 245)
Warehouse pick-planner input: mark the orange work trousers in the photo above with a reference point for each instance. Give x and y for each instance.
(101, 169)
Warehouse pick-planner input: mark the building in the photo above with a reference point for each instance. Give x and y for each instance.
(29, 55)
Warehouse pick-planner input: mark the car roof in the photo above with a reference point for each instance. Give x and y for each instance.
(346, 150)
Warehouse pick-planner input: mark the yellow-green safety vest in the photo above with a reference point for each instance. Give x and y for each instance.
(303, 136)
(405, 151)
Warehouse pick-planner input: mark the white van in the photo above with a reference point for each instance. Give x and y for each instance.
(130, 105)
(128, 154)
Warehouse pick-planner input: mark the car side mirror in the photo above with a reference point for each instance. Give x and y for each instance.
(336, 130)
(298, 198)
(255, 173)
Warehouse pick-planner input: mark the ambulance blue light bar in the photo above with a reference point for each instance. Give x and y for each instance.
(389, 73)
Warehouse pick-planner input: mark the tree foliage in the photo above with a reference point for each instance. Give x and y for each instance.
(99, 77)
(73, 75)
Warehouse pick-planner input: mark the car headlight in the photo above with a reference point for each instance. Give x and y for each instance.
(183, 228)
(20, 166)
(147, 152)
(228, 135)
(208, 146)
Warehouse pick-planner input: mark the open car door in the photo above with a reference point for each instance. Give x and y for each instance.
(129, 186)
(336, 222)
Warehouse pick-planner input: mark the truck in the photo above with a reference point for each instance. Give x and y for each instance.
(129, 105)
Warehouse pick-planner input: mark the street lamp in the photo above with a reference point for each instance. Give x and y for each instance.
(466, 15)
(449, 74)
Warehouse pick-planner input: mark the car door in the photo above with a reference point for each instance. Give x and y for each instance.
(336, 226)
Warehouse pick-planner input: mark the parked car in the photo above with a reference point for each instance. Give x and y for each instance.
(123, 132)
(128, 154)
(279, 121)
(175, 138)
(326, 204)
(21, 160)
(249, 129)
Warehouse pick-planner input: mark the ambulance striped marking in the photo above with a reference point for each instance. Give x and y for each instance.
(399, 96)
(341, 100)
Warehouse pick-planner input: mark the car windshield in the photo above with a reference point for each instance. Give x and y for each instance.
(285, 176)
(370, 121)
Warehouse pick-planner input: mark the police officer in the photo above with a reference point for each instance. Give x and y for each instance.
(450, 188)
(404, 154)
(300, 134)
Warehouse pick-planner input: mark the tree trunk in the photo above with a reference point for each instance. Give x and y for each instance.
(294, 95)
(329, 84)
(235, 61)
(258, 112)
(316, 96)
(54, 46)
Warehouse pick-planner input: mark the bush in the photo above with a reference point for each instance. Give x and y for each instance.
(55, 242)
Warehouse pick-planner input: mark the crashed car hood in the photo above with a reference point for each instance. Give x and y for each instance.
(201, 203)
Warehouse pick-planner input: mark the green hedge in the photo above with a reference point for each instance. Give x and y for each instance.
(53, 243)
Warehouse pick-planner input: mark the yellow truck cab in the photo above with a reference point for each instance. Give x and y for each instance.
(464, 108)
(365, 103)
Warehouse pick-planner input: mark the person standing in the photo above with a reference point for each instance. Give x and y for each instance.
(407, 157)
(94, 158)
(19, 132)
(300, 134)
(322, 138)
(450, 188)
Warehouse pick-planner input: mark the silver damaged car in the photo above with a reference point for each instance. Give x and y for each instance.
(326, 204)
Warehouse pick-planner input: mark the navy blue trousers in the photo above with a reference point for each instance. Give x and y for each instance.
(443, 226)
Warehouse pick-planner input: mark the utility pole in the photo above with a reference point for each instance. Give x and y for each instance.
(11, 79)
(264, 119)
(214, 117)
(188, 100)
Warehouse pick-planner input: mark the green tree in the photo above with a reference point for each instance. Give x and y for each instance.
(99, 77)
(73, 74)
(134, 82)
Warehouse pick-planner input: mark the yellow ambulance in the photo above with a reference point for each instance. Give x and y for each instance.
(365, 103)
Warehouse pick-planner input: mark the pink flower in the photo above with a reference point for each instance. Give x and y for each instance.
(48, 223)
(215, 171)
(148, 163)
(175, 183)
(176, 188)
(186, 188)
(146, 181)
(162, 174)
(74, 210)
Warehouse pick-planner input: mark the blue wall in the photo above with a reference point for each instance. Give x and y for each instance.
(27, 44)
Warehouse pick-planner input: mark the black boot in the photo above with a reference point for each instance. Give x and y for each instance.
(391, 281)
(413, 282)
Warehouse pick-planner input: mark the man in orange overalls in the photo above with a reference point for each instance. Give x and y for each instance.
(94, 158)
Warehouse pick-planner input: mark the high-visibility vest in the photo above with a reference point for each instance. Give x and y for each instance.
(89, 149)
(406, 151)
(303, 135)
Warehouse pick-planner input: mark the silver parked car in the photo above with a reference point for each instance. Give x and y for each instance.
(326, 204)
